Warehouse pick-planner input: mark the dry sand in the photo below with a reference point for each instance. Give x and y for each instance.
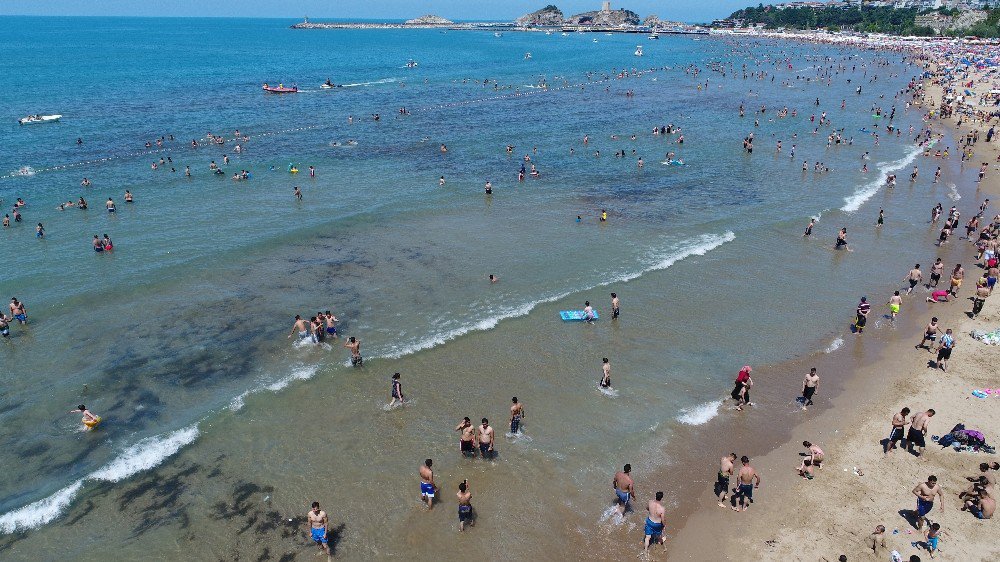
(834, 514)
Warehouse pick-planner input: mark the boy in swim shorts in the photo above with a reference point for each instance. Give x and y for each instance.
(319, 527)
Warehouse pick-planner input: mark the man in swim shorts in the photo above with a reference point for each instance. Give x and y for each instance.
(486, 440)
(301, 327)
(331, 323)
(862, 314)
(465, 506)
(896, 434)
(17, 311)
(747, 480)
(914, 277)
(516, 415)
(930, 334)
(624, 488)
(915, 436)
(894, 301)
(355, 346)
(809, 385)
(654, 522)
(319, 526)
(936, 270)
(726, 467)
(614, 306)
(982, 507)
(427, 487)
(4, 325)
(926, 492)
(605, 374)
(467, 442)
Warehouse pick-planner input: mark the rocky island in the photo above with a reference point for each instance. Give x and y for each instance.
(549, 16)
(428, 20)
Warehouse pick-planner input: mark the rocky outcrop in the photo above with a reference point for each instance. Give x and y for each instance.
(429, 20)
(600, 18)
(549, 16)
(652, 20)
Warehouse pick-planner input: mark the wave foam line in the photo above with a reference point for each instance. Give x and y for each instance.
(700, 414)
(698, 246)
(866, 192)
(143, 455)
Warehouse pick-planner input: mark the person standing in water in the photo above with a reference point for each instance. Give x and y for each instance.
(486, 440)
(654, 522)
(397, 391)
(89, 419)
(319, 527)
(809, 227)
(842, 240)
(614, 306)
(809, 386)
(464, 496)
(516, 415)
(298, 193)
(624, 488)
(588, 312)
(605, 381)
(355, 346)
(894, 301)
(18, 311)
(467, 441)
(427, 488)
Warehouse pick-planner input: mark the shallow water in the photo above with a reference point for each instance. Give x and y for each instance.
(177, 338)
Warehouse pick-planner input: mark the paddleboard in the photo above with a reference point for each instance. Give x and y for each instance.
(574, 315)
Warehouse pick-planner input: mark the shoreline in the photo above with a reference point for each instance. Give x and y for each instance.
(795, 520)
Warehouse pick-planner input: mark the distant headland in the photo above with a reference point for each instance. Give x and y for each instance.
(546, 19)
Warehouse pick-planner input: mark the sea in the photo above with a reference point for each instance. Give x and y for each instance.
(219, 428)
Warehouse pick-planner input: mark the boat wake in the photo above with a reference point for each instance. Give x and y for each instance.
(373, 83)
(700, 414)
(143, 455)
(866, 192)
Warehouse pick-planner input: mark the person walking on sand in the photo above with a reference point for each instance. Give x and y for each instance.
(516, 415)
(397, 391)
(727, 465)
(464, 496)
(355, 346)
(654, 522)
(957, 275)
(926, 492)
(946, 345)
(916, 435)
(914, 277)
(894, 301)
(747, 480)
(427, 487)
(809, 386)
(624, 488)
(319, 527)
(936, 270)
(896, 434)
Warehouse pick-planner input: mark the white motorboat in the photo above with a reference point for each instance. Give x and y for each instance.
(654, 35)
(497, 34)
(638, 50)
(527, 56)
(33, 119)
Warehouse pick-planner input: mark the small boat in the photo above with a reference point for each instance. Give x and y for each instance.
(638, 50)
(548, 32)
(280, 89)
(411, 63)
(328, 85)
(33, 119)
(653, 35)
(497, 34)
(527, 56)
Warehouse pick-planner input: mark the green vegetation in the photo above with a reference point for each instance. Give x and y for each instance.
(864, 20)
(990, 27)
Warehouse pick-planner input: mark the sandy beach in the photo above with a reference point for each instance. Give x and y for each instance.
(859, 486)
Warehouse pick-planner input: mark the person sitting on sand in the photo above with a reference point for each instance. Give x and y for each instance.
(877, 538)
(806, 469)
(982, 507)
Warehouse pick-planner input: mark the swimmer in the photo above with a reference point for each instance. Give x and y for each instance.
(40, 231)
(624, 488)
(98, 246)
(467, 440)
(486, 440)
(18, 311)
(397, 391)
(809, 227)
(355, 346)
(489, 188)
(331, 323)
(493, 278)
(128, 196)
(4, 325)
(427, 488)
(300, 327)
(89, 420)
(298, 193)
(842, 240)
(319, 527)
(110, 205)
(441, 182)
(614, 306)
(605, 381)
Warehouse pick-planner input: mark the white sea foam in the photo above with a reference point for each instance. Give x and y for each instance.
(867, 191)
(382, 81)
(41, 512)
(238, 402)
(143, 455)
(953, 192)
(698, 246)
(146, 454)
(700, 414)
(834, 345)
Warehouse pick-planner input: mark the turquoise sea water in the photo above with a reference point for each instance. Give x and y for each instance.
(177, 337)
